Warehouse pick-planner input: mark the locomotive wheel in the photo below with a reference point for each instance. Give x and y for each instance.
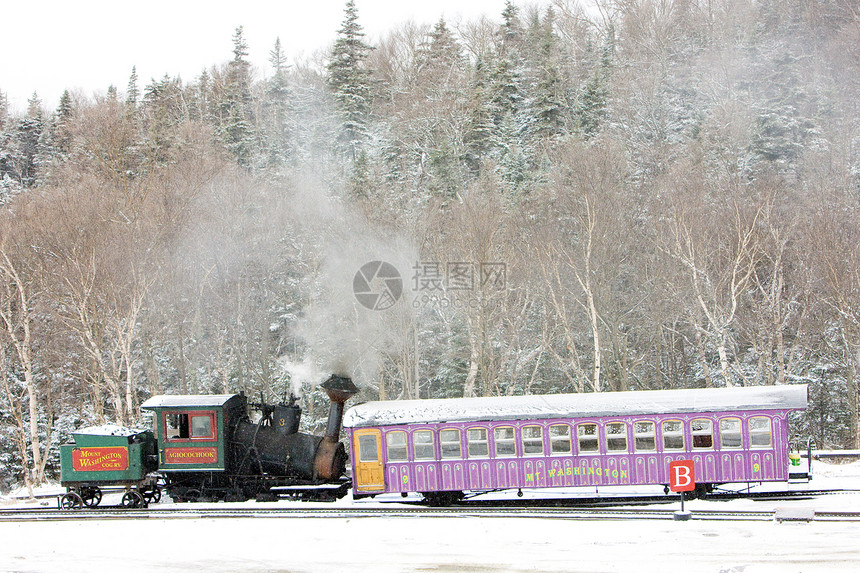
(133, 499)
(153, 495)
(71, 500)
(91, 496)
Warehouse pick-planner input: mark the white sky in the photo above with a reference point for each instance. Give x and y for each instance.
(47, 46)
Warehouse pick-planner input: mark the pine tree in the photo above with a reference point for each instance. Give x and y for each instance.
(480, 126)
(133, 93)
(548, 107)
(349, 79)
(236, 120)
(443, 50)
(511, 32)
(61, 135)
(28, 137)
(277, 108)
(592, 101)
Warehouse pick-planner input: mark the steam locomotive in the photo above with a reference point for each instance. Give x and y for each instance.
(206, 448)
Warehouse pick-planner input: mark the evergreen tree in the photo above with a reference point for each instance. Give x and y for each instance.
(29, 136)
(349, 79)
(592, 101)
(548, 108)
(60, 131)
(236, 119)
(443, 50)
(276, 107)
(133, 93)
(480, 126)
(511, 32)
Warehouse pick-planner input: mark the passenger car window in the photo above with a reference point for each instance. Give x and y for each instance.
(367, 447)
(703, 434)
(449, 440)
(616, 437)
(396, 444)
(730, 434)
(532, 440)
(506, 447)
(479, 443)
(422, 444)
(645, 436)
(587, 435)
(760, 432)
(673, 435)
(559, 439)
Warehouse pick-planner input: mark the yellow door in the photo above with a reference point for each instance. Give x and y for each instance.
(368, 447)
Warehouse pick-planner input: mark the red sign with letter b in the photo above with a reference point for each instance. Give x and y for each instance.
(682, 476)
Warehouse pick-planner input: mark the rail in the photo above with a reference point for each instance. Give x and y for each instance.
(410, 512)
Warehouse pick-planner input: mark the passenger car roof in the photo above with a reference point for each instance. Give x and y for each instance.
(786, 397)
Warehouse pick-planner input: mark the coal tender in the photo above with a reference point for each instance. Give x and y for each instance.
(209, 449)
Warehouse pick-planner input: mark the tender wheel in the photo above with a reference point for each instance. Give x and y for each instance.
(71, 500)
(133, 499)
(91, 496)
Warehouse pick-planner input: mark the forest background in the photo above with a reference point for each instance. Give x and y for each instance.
(629, 195)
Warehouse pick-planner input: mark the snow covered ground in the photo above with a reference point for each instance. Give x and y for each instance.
(450, 544)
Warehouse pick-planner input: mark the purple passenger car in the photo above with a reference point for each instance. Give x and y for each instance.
(611, 438)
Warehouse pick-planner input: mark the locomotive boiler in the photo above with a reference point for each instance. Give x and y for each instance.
(209, 448)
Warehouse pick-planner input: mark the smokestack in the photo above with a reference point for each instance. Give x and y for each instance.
(330, 460)
(339, 390)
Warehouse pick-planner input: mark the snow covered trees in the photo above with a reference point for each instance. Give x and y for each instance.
(349, 79)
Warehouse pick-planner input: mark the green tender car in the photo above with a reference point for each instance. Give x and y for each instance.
(109, 455)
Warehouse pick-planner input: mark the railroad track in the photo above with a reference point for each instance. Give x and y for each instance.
(223, 512)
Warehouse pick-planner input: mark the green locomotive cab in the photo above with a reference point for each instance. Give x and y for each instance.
(193, 431)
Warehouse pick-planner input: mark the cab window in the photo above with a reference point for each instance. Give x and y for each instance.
(189, 425)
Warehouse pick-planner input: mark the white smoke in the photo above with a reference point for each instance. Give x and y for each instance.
(341, 335)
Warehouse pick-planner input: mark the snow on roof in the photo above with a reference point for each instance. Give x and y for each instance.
(185, 401)
(107, 430)
(789, 397)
